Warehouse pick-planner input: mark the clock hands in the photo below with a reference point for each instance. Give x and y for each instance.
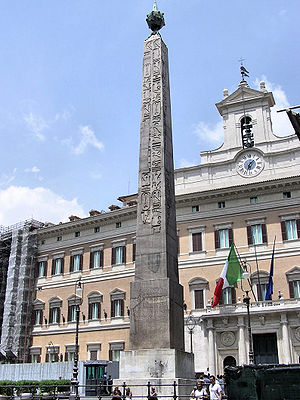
(250, 165)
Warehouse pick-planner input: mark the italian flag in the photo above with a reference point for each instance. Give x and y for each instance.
(232, 273)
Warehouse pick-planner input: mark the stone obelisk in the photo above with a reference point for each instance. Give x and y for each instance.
(156, 297)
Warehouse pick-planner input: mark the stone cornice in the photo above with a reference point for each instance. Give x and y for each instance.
(82, 329)
(83, 223)
(249, 187)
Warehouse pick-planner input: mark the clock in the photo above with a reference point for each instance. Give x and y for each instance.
(249, 164)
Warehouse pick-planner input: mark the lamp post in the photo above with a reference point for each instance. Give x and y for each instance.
(246, 300)
(191, 323)
(74, 380)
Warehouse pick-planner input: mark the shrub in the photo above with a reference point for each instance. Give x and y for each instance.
(47, 386)
(6, 388)
(63, 385)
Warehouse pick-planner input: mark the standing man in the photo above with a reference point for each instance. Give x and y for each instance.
(215, 390)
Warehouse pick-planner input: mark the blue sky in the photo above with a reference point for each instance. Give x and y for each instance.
(70, 78)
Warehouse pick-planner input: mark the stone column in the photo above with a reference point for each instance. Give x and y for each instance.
(211, 347)
(285, 339)
(242, 342)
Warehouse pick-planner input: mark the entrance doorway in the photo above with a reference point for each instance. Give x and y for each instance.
(265, 348)
(95, 382)
(229, 361)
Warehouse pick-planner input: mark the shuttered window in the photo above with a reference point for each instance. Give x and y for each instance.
(199, 299)
(197, 241)
(96, 259)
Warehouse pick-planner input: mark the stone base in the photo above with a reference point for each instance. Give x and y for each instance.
(160, 367)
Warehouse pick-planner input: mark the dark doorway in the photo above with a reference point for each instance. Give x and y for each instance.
(95, 382)
(265, 348)
(229, 361)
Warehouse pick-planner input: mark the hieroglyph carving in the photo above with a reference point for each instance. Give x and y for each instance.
(155, 71)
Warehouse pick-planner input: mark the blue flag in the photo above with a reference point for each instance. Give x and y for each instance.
(269, 290)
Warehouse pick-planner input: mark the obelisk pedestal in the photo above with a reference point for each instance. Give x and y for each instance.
(156, 352)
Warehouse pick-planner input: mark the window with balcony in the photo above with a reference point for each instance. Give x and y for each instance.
(228, 296)
(259, 280)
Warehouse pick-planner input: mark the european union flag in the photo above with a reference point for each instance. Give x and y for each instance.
(269, 291)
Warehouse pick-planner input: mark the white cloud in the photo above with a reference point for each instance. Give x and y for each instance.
(36, 125)
(34, 170)
(6, 179)
(18, 203)
(211, 134)
(88, 137)
(280, 121)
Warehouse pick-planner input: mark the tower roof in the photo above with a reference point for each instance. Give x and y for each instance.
(155, 19)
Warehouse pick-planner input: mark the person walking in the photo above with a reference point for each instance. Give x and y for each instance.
(199, 391)
(215, 390)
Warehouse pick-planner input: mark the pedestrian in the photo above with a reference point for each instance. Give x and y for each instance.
(109, 384)
(199, 391)
(116, 394)
(153, 394)
(128, 393)
(215, 390)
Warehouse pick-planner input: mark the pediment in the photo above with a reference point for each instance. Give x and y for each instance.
(116, 291)
(293, 273)
(246, 94)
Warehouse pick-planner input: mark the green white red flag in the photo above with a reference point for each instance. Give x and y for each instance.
(232, 273)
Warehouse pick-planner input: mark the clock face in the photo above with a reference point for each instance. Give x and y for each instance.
(249, 164)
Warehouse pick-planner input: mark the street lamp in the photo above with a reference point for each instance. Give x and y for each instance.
(191, 323)
(246, 300)
(74, 380)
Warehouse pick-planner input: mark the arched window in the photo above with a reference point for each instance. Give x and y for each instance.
(247, 133)
(229, 361)
(198, 287)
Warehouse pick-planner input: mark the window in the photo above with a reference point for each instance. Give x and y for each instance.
(54, 315)
(52, 353)
(221, 204)
(57, 266)
(287, 195)
(259, 280)
(94, 351)
(43, 241)
(290, 229)
(133, 252)
(198, 287)
(97, 229)
(38, 317)
(77, 234)
(76, 261)
(117, 298)
(223, 238)
(42, 269)
(195, 208)
(118, 225)
(257, 234)
(55, 304)
(35, 358)
(72, 313)
(199, 298)
(197, 241)
(228, 296)
(94, 299)
(114, 351)
(254, 200)
(35, 354)
(118, 255)
(70, 352)
(96, 259)
(59, 238)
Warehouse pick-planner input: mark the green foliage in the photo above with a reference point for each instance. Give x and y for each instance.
(6, 388)
(44, 386)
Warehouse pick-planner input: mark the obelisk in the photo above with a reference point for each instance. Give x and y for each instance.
(156, 297)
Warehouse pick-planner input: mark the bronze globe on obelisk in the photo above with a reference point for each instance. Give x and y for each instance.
(156, 297)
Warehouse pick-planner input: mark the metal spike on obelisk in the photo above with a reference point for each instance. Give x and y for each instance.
(156, 351)
(155, 6)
